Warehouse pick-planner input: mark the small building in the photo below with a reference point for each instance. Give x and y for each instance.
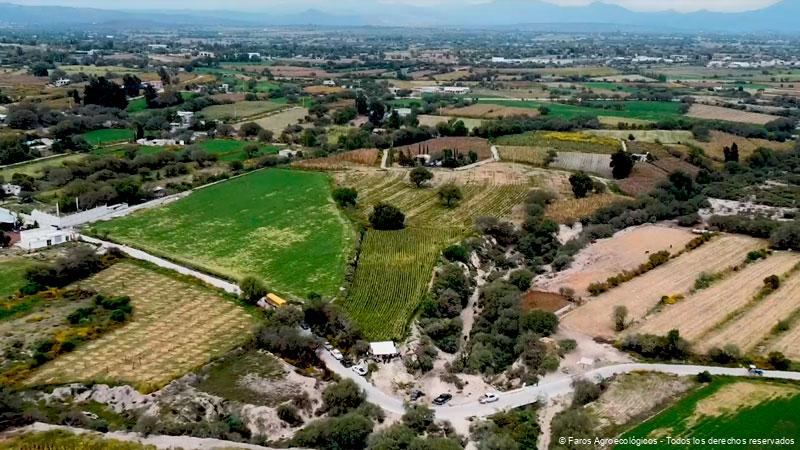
(7, 219)
(384, 350)
(12, 189)
(329, 83)
(61, 82)
(287, 153)
(43, 237)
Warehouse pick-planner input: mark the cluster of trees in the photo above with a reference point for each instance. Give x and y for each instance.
(441, 308)
(14, 150)
(666, 348)
(386, 217)
(77, 264)
(417, 430)
(582, 185)
(515, 429)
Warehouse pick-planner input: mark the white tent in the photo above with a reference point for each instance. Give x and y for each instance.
(385, 348)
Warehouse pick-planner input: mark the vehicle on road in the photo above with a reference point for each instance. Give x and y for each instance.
(347, 362)
(755, 371)
(489, 397)
(416, 394)
(327, 346)
(442, 399)
(361, 368)
(337, 354)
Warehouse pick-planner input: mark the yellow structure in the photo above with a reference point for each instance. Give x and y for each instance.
(275, 301)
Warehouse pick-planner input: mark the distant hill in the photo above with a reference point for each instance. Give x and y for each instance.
(780, 17)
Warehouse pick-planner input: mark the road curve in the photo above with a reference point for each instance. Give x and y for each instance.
(531, 394)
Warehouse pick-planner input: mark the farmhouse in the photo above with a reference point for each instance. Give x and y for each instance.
(452, 90)
(384, 350)
(43, 237)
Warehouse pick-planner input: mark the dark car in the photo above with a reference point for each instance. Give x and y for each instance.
(347, 362)
(416, 394)
(442, 399)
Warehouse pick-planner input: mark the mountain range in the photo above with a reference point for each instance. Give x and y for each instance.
(778, 18)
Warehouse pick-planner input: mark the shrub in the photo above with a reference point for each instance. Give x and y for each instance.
(620, 316)
(786, 236)
(420, 175)
(584, 392)
(704, 377)
(418, 418)
(772, 282)
(778, 361)
(726, 355)
(252, 289)
(521, 279)
(345, 197)
(289, 414)
(387, 217)
(456, 253)
(342, 397)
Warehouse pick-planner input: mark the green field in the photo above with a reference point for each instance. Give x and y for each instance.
(108, 135)
(233, 150)
(279, 225)
(36, 169)
(392, 277)
(136, 105)
(747, 416)
(12, 272)
(631, 109)
(241, 110)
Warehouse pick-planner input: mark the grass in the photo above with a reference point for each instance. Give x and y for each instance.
(12, 275)
(241, 110)
(765, 419)
(224, 378)
(137, 105)
(278, 225)
(60, 439)
(36, 168)
(630, 109)
(176, 327)
(108, 135)
(231, 150)
(392, 277)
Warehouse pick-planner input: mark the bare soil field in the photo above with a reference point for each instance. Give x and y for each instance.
(277, 122)
(175, 328)
(731, 115)
(596, 163)
(294, 71)
(570, 210)
(642, 179)
(719, 140)
(548, 301)
(625, 250)
(643, 293)
(633, 395)
(662, 136)
(789, 343)
(488, 111)
(462, 145)
(699, 313)
(364, 157)
(756, 324)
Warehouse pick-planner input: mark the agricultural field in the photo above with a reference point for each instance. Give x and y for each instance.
(369, 157)
(488, 111)
(571, 210)
(432, 121)
(37, 168)
(659, 136)
(628, 109)
(709, 112)
(535, 156)
(719, 140)
(60, 439)
(241, 110)
(626, 250)
(233, 150)
(98, 70)
(12, 272)
(727, 408)
(277, 122)
(263, 224)
(562, 142)
(108, 136)
(392, 277)
(546, 301)
(595, 163)
(463, 145)
(755, 325)
(700, 313)
(175, 328)
(643, 293)
(614, 122)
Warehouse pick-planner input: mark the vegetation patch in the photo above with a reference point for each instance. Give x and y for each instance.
(108, 136)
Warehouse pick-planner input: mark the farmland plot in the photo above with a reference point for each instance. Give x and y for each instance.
(536, 156)
(662, 136)
(697, 314)
(340, 161)
(175, 327)
(392, 276)
(277, 122)
(463, 145)
(570, 210)
(643, 293)
(264, 224)
(756, 323)
(584, 162)
(241, 110)
(709, 112)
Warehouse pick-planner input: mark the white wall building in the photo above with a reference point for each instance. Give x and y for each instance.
(43, 237)
(12, 189)
(73, 220)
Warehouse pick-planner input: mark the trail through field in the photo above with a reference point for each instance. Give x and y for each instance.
(756, 324)
(700, 312)
(644, 292)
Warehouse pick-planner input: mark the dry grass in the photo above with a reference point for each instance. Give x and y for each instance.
(487, 111)
(175, 328)
(323, 90)
(536, 156)
(547, 301)
(698, 314)
(709, 112)
(719, 140)
(432, 121)
(574, 209)
(340, 161)
(277, 122)
(643, 293)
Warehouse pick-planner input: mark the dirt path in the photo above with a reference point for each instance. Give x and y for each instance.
(545, 418)
(385, 159)
(468, 313)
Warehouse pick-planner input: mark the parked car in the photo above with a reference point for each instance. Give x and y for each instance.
(361, 368)
(347, 362)
(416, 394)
(337, 354)
(304, 326)
(442, 399)
(488, 398)
(327, 346)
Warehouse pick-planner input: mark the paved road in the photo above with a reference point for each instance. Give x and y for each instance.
(460, 411)
(144, 256)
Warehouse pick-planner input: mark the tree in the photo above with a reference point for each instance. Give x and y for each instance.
(249, 129)
(450, 195)
(342, 397)
(41, 69)
(377, 111)
(731, 153)
(265, 136)
(620, 316)
(132, 84)
(362, 105)
(103, 92)
(22, 119)
(345, 196)
(387, 217)
(250, 151)
(521, 279)
(252, 289)
(418, 417)
(456, 252)
(420, 175)
(621, 164)
(786, 236)
(581, 184)
(778, 361)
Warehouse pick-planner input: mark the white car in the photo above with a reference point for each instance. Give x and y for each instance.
(488, 398)
(360, 369)
(337, 354)
(327, 346)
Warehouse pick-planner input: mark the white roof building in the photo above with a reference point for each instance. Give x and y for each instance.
(384, 348)
(12, 189)
(7, 216)
(43, 237)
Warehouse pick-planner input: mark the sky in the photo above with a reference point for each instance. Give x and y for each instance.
(263, 5)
